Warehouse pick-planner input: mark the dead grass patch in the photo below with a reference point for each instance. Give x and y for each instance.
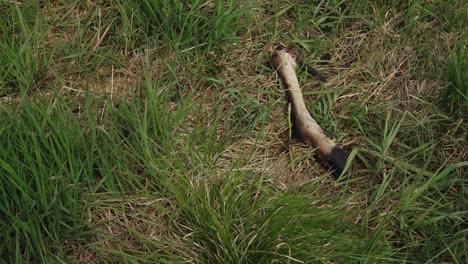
(135, 224)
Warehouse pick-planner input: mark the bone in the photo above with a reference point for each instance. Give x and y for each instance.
(305, 126)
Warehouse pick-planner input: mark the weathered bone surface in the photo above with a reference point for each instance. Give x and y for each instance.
(305, 126)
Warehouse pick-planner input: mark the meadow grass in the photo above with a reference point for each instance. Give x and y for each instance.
(155, 131)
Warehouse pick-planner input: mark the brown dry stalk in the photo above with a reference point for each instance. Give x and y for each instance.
(305, 126)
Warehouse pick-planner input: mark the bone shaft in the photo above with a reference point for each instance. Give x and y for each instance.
(295, 96)
(294, 92)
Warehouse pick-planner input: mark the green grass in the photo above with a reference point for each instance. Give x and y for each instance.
(131, 137)
(47, 163)
(455, 96)
(22, 39)
(183, 26)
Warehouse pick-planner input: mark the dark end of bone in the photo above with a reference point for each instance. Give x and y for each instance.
(337, 160)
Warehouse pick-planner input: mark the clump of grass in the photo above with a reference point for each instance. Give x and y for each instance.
(181, 25)
(429, 190)
(24, 57)
(46, 163)
(238, 219)
(455, 95)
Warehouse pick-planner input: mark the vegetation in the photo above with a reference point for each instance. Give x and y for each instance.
(155, 131)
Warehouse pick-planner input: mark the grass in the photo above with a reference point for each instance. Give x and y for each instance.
(131, 137)
(456, 94)
(23, 54)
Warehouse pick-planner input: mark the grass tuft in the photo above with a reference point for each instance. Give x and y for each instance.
(186, 26)
(22, 37)
(45, 165)
(455, 95)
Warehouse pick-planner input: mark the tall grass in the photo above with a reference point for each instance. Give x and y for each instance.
(24, 58)
(46, 164)
(182, 25)
(455, 95)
